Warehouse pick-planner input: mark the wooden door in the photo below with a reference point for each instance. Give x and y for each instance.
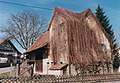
(39, 66)
(65, 71)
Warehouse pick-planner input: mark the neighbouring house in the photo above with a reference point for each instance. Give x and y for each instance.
(8, 52)
(116, 60)
(75, 43)
(118, 51)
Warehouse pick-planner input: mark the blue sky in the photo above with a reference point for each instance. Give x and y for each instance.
(111, 8)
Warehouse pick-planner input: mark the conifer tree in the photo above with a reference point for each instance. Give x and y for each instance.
(104, 21)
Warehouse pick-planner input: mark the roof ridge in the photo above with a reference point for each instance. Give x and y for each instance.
(69, 13)
(3, 40)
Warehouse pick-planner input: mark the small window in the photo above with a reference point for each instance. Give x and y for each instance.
(47, 62)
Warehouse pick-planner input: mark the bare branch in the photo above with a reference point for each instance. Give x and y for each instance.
(25, 28)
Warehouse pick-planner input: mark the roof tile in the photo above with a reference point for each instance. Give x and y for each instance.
(40, 42)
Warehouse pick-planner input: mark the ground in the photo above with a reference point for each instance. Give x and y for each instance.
(4, 70)
(7, 74)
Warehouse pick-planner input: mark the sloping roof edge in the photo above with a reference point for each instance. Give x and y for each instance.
(87, 11)
(40, 42)
(10, 44)
(101, 27)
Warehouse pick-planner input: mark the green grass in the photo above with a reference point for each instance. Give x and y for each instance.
(7, 74)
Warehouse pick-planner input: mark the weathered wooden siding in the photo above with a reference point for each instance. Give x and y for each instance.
(39, 66)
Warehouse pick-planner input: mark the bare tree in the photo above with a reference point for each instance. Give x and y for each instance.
(25, 27)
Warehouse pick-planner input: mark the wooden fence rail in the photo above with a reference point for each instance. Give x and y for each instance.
(63, 79)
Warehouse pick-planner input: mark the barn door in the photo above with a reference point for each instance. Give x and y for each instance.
(39, 66)
(39, 61)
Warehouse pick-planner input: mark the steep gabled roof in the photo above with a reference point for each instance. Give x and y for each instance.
(79, 16)
(2, 41)
(7, 40)
(40, 42)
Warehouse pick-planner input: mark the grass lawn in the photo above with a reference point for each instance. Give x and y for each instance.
(7, 74)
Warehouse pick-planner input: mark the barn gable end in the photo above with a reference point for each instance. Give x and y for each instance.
(78, 38)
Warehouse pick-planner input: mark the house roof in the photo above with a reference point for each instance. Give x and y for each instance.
(40, 42)
(79, 16)
(2, 41)
(58, 66)
(7, 40)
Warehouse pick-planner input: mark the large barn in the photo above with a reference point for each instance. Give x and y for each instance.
(75, 43)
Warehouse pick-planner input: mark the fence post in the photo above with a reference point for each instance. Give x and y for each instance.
(10, 69)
